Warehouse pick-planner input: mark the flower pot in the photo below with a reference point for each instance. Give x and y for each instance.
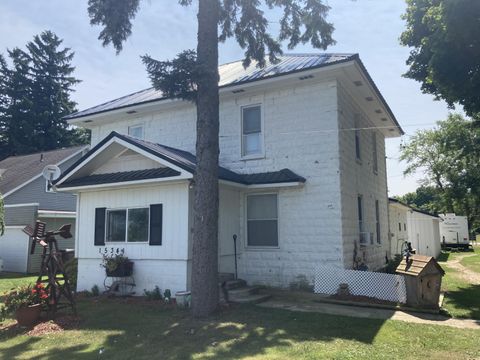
(123, 270)
(28, 315)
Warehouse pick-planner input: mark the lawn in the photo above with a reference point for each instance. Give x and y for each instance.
(11, 280)
(462, 299)
(127, 329)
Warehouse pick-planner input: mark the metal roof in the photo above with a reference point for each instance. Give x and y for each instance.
(180, 158)
(230, 74)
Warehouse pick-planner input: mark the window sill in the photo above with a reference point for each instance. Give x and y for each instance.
(261, 248)
(253, 157)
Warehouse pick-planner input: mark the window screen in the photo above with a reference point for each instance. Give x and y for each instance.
(116, 225)
(251, 131)
(262, 220)
(138, 225)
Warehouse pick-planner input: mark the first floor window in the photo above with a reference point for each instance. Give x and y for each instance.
(377, 220)
(262, 220)
(129, 225)
(360, 213)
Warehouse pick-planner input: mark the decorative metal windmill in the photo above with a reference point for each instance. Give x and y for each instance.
(52, 270)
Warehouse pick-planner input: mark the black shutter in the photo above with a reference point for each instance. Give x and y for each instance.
(100, 226)
(156, 214)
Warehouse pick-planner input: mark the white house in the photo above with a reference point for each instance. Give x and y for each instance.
(420, 228)
(302, 178)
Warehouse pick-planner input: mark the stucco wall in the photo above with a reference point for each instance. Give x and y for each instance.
(359, 178)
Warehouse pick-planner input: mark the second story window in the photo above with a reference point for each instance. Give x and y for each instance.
(375, 156)
(252, 141)
(358, 154)
(136, 132)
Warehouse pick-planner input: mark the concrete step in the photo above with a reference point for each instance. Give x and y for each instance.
(243, 291)
(235, 284)
(251, 299)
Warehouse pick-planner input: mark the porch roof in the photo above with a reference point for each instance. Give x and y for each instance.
(182, 160)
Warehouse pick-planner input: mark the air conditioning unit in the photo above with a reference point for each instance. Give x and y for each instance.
(366, 238)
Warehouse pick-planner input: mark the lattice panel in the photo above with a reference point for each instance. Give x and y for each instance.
(382, 286)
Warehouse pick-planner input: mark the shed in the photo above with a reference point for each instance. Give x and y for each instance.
(423, 280)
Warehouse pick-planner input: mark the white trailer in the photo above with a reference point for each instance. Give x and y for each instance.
(454, 231)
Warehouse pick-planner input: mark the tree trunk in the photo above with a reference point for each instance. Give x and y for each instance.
(205, 225)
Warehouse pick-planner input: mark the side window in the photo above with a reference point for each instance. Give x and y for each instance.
(136, 131)
(252, 140)
(360, 214)
(358, 154)
(375, 156)
(377, 221)
(399, 226)
(262, 220)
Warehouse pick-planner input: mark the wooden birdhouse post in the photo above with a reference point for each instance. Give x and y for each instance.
(423, 279)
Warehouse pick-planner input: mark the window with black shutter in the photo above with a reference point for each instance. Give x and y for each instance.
(156, 214)
(99, 237)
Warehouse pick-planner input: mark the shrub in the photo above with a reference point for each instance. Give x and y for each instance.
(23, 296)
(393, 264)
(71, 269)
(95, 290)
(154, 294)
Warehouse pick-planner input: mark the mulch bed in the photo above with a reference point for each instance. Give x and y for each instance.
(60, 323)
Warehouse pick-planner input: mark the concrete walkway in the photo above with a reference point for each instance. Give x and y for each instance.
(371, 313)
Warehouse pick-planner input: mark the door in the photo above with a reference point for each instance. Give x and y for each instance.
(14, 249)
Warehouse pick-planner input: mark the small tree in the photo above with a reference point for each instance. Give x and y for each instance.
(193, 75)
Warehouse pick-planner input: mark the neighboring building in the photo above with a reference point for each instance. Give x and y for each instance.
(420, 228)
(454, 231)
(302, 178)
(28, 198)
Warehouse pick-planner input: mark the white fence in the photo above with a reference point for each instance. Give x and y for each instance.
(382, 286)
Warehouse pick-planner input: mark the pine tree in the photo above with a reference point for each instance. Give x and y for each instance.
(194, 76)
(35, 96)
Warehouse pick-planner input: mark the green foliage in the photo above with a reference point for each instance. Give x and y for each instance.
(23, 296)
(154, 294)
(95, 291)
(112, 262)
(300, 22)
(449, 157)
(35, 96)
(71, 269)
(446, 49)
(393, 264)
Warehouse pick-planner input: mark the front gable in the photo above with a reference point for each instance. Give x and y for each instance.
(116, 161)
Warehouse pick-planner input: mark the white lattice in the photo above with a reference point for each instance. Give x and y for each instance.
(382, 286)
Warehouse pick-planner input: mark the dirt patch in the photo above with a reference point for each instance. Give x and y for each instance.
(362, 299)
(463, 272)
(44, 326)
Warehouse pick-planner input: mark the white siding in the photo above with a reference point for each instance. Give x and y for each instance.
(399, 234)
(424, 233)
(165, 265)
(359, 178)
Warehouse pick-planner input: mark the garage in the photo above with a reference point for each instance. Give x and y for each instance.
(14, 249)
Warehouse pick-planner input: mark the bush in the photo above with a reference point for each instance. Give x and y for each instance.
(393, 264)
(95, 290)
(71, 269)
(154, 294)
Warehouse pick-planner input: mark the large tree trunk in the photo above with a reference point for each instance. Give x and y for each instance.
(205, 225)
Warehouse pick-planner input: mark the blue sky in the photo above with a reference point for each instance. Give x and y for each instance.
(163, 28)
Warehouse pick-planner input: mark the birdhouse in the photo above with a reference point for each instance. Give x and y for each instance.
(423, 279)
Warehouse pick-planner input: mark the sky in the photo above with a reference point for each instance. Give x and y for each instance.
(163, 28)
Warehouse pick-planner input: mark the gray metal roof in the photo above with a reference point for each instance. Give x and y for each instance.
(180, 158)
(230, 74)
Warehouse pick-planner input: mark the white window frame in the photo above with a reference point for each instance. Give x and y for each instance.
(261, 154)
(126, 225)
(261, 247)
(142, 126)
(49, 190)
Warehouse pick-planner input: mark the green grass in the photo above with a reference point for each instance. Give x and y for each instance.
(11, 280)
(462, 299)
(126, 331)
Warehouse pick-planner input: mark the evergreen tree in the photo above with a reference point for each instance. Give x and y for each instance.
(35, 96)
(194, 76)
